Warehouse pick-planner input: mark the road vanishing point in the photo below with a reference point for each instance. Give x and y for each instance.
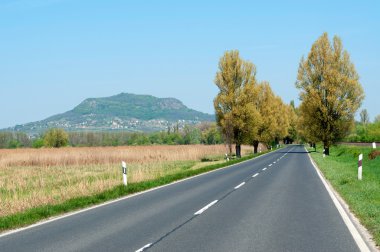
(276, 202)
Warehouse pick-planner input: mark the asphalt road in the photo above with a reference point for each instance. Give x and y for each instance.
(246, 207)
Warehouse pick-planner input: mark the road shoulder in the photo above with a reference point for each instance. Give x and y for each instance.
(362, 237)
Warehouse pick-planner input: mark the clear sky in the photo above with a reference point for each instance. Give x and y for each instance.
(56, 53)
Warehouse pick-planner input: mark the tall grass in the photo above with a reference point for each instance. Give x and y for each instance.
(35, 177)
(106, 155)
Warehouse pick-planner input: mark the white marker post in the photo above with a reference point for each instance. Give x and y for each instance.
(374, 145)
(324, 155)
(227, 159)
(360, 166)
(124, 170)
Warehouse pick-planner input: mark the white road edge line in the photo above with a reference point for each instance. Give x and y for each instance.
(55, 218)
(351, 227)
(264, 169)
(255, 175)
(238, 186)
(205, 208)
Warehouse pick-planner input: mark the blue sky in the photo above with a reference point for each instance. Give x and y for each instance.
(56, 53)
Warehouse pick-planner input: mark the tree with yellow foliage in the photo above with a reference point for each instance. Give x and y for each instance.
(266, 105)
(56, 138)
(293, 120)
(330, 92)
(274, 117)
(282, 119)
(234, 114)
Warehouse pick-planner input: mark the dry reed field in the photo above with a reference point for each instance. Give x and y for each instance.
(33, 177)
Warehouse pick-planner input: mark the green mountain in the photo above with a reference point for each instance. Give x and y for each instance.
(121, 112)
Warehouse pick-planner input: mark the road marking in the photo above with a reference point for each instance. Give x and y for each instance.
(270, 165)
(239, 185)
(145, 247)
(255, 175)
(278, 160)
(274, 162)
(205, 208)
(351, 227)
(264, 169)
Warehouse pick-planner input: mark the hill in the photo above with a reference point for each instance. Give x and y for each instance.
(124, 111)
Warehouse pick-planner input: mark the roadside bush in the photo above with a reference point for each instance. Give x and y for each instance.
(353, 151)
(38, 143)
(373, 154)
(56, 138)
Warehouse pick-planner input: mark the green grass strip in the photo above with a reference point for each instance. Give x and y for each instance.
(36, 214)
(362, 196)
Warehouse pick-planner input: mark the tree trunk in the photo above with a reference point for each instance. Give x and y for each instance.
(327, 149)
(238, 150)
(255, 146)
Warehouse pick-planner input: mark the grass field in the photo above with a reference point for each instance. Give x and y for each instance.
(363, 197)
(36, 177)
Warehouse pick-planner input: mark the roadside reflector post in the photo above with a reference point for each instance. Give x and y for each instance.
(124, 170)
(374, 145)
(227, 159)
(360, 166)
(324, 155)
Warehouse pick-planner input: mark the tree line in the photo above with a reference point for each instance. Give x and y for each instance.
(248, 112)
(204, 133)
(364, 130)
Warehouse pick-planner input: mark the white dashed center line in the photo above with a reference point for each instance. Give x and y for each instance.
(145, 247)
(264, 169)
(240, 185)
(206, 207)
(270, 165)
(255, 175)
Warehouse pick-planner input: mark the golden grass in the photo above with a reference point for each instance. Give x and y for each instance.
(106, 155)
(33, 177)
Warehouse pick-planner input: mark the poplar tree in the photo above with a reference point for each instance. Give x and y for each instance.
(293, 119)
(234, 114)
(266, 104)
(377, 119)
(364, 117)
(330, 92)
(282, 119)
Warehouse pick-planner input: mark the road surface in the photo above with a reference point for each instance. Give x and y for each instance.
(273, 203)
